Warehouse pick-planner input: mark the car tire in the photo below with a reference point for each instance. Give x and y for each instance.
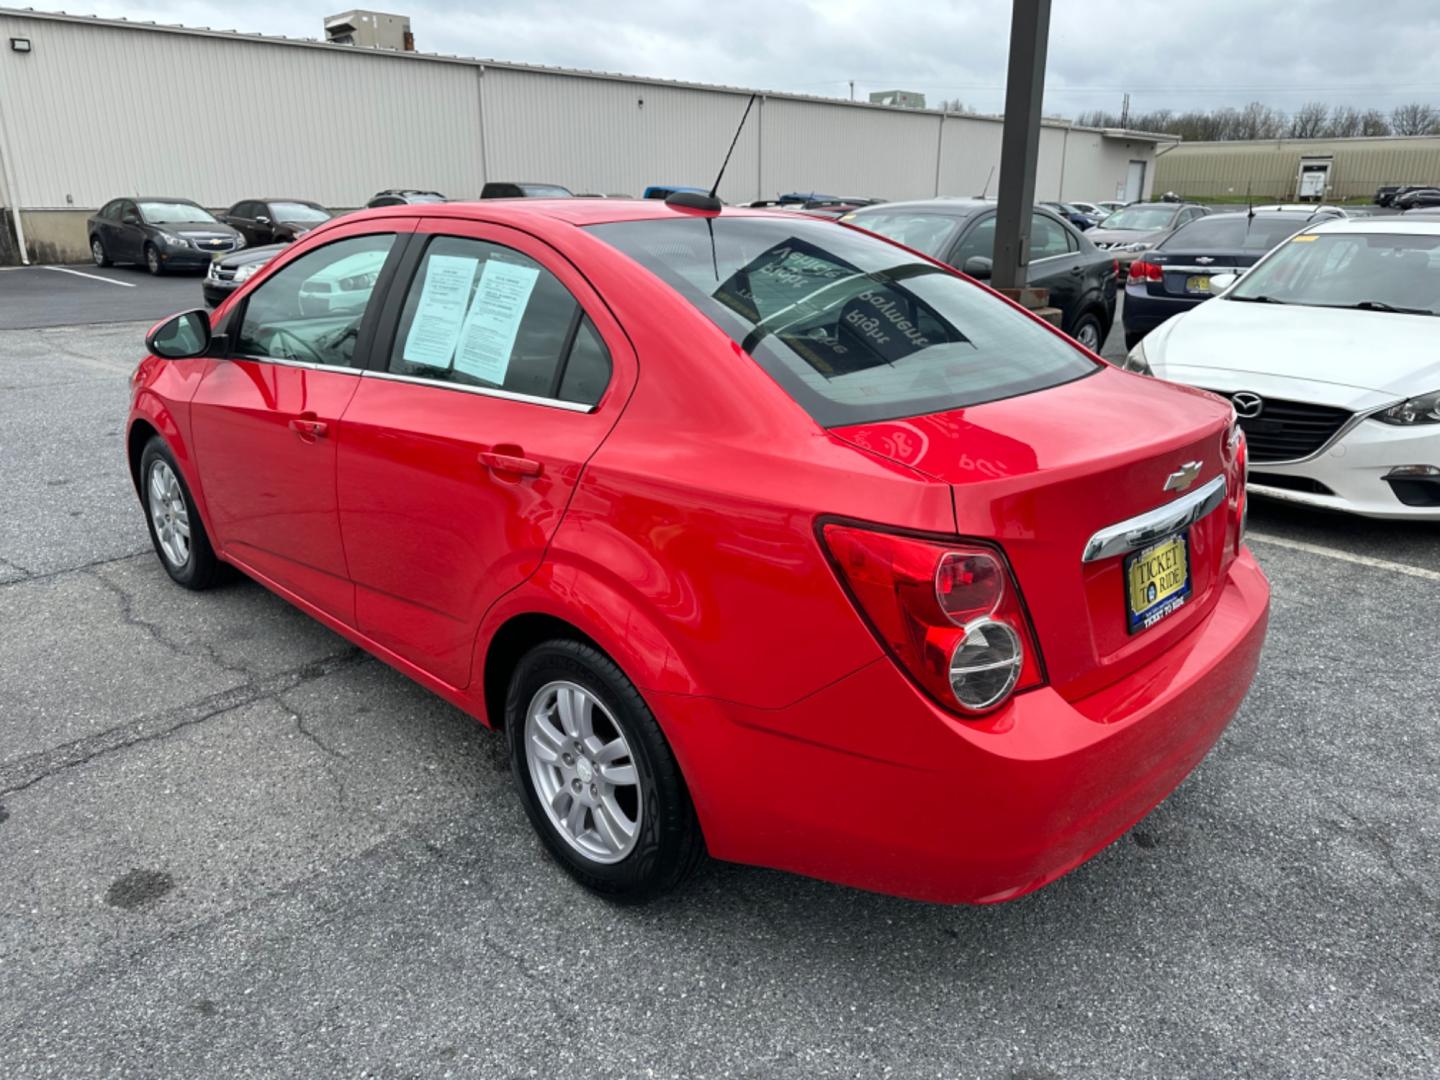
(1089, 326)
(1132, 338)
(175, 527)
(152, 260)
(98, 252)
(569, 764)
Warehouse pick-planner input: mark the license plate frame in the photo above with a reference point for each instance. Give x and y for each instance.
(1150, 597)
(1197, 285)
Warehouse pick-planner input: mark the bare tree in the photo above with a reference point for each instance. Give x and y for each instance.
(1345, 123)
(1374, 122)
(956, 106)
(1259, 121)
(1309, 121)
(1415, 119)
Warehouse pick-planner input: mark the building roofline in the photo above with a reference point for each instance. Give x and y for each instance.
(511, 65)
(1210, 144)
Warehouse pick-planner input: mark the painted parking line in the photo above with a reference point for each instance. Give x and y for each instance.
(1346, 556)
(92, 277)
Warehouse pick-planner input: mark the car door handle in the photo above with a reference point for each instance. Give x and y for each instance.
(516, 464)
(309, 430)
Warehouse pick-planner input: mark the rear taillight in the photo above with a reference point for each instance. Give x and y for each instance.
(1140, 270)
(949, 612)
(1241, 454)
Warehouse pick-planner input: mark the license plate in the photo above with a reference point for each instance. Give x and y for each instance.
(1157, 581)
(1198, 283)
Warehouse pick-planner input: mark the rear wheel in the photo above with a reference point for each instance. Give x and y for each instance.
(175, 526)
(598, 779)
(152, 260)
(97, 251)
(1089, 331)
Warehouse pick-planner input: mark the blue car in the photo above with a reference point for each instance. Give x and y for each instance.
(1174, 276)
(664, 191)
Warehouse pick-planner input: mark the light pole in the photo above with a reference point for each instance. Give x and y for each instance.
(1020, 148)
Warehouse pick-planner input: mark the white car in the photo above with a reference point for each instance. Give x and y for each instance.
(1329, 349)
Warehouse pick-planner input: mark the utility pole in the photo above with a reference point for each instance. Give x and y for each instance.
(1020, 150)
(1125, 112)
(852, 89)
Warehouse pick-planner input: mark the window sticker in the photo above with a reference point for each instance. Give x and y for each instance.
(1308, 239)
(488, 336)
(436, 326)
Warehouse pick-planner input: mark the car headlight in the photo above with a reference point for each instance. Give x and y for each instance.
(169, 238)
(1136, 360)
(1424, 409)
(247, 271)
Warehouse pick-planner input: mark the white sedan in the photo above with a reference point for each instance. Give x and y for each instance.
(1329, 349)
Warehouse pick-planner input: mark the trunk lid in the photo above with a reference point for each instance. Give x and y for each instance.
(1182, 272)
(1040, 474)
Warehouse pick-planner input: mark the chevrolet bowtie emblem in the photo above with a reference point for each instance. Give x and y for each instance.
(1183, 477)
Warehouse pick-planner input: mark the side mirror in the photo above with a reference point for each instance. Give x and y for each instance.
(180, 337)
(130, 219)
(261, 219)
(978, 266)
(1221, 282)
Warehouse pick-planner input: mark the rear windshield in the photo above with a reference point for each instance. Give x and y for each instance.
(853, 328)
(1142, 218)
(1238, 233)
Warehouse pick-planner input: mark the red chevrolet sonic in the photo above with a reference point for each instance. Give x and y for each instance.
(757, 534)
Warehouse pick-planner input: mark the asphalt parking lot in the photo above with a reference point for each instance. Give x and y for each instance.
(234, 845)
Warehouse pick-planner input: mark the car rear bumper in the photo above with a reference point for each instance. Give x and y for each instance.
(1353, 471)
(961, 813)
(1143, 312)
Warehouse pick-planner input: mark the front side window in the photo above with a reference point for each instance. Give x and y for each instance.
(852, 327)
(310, 311)
(1375, 271)
(482, 315)
(175, 213)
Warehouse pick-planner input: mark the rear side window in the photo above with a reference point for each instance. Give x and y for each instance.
(854, 328)
(483, 315)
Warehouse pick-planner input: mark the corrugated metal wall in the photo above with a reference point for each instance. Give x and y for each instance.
(99, 109)
(1269, 169)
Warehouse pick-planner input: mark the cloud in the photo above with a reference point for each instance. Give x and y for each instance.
(1221, 52)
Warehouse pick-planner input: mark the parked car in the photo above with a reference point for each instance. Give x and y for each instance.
(1073, 214)
(274, 221)
(505, 189)
(229, 272)
(404, 197)
(1140, 226)
(664, 191)
(961, 232)
(1090, 209)
(1175, 275)
(1111, 205)
(159, 233)
(1327, 350)
(1386, 196)
(1417, 198)
(659, 492)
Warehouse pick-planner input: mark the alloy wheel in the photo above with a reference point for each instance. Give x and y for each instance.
(584, 773)
(1089, 336)
(168, 513)
(97, 252)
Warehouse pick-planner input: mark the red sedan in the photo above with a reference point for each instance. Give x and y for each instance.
(758, 535)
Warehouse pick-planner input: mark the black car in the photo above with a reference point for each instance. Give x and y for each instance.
(1417, 198)
(275, 221)
(961, 232)
(1175, 275)
(506, 189)
(160, 233)
(404, 197)
(230, 272)
(1386, 195)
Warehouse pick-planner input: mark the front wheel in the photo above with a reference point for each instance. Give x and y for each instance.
(175, 526)
(598, 779)
(152, 260)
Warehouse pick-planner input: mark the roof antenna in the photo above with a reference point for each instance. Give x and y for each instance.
(696, 200)
(1249, 203)
(986, 188)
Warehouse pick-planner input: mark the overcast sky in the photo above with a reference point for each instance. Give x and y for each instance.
(1179, 56)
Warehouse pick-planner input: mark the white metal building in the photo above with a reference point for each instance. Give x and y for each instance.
(93, 108)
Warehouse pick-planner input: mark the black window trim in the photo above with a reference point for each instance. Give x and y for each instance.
(383, 345)
(364, 338)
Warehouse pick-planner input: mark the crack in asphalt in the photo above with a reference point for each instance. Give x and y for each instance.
(31, 577)
(31, 770)
(13, 565)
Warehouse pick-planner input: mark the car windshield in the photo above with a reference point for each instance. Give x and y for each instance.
(545, 191)
(300, 213)
(1142, 218)
(1375, 271)
(930, 233)
(853, 328)
(175, 213)
(1233, 233)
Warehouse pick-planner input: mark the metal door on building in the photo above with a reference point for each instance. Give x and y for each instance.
(1134, 182)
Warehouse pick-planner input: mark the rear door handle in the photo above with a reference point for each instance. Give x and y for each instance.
(516, 464)
(309, 430)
